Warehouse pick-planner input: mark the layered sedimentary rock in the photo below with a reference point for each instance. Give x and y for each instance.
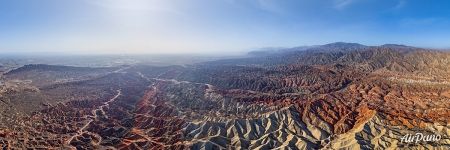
(336, 96)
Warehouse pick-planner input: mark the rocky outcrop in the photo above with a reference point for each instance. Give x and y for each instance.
(341, 96)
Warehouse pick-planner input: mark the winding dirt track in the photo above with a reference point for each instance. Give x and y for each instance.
(94, 116)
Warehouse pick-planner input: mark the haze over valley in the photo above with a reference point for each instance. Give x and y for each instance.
(224, 74)
(333, 96)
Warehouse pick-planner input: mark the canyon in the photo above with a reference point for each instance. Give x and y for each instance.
(333, 96)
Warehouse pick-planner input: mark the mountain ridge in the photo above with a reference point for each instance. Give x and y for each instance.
(341, 96)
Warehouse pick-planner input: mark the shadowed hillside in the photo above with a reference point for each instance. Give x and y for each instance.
(334, 96)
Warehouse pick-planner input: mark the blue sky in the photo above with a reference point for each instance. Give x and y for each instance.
(216, 26)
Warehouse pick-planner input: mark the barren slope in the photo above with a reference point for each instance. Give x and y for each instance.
(336, 96)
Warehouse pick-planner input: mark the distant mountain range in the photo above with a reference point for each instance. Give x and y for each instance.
(337, 46)
(333, 96)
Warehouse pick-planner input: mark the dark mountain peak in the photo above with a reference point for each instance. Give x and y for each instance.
(339, 47)
(395, 46)
(391, 45)
(343, 45)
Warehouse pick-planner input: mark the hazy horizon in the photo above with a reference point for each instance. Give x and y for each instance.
(242, 53)
(214, 27)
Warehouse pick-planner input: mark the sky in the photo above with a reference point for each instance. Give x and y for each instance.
(216, 26)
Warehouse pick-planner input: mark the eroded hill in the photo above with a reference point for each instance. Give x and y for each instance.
(336, 96)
